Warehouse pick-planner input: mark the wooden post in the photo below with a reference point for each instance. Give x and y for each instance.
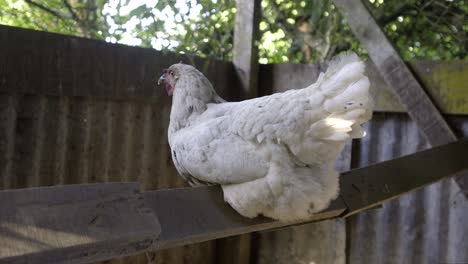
(245, 53)
(245, 59)
(399, 77)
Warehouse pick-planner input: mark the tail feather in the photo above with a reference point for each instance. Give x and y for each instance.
(348, 99)
(343, 70)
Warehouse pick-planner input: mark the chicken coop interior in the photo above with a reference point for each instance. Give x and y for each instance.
(86, 173)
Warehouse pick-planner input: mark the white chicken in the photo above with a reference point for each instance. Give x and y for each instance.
(273, 155)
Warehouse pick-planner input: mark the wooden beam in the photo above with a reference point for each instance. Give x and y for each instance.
(74, 223)
(91, 222)
(396, 73)
(192, 215)
(245, 51)
(368, 187)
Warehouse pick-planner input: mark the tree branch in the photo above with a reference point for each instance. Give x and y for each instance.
(402, 10)
(81, 23)
(46, 9)
(72, 12)
(281, 19)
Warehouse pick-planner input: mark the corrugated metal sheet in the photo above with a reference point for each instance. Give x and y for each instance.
(60, 140)
(426, 226)
(76, 110)
(47, 140)
(321, 242)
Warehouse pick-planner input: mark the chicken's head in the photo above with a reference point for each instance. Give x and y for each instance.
(169, 78)
(185, 80)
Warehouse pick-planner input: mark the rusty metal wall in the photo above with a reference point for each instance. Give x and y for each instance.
(426, 226)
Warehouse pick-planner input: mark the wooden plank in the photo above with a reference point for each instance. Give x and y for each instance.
(367, 187)
(91, 222)
(54, 64)
(245, 50)
(74, 223)
(396, 73)
(192, 215)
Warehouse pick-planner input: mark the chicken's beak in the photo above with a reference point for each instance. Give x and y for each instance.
(161, 79)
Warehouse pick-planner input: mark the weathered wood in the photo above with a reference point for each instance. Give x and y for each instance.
(74, 223)
(191, 215)
(55, 62)
(396, 73)
(367, 187)
(52, 64)
(245, 50)
(85, 223)
(91, 222)
(445, 82)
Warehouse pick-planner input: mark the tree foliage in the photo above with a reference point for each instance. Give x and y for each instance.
(294, 31)
(75, 17)
(425, 29)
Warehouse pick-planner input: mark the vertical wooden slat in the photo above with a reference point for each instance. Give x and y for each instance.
(51, 143)
(28, 141)
(99, 141)
(77, 158)
(60, 166)
(144, 176)
(109, 121)
(245, 53)
(8, 115)
(235, 249)
(118, 155)
(134, 134)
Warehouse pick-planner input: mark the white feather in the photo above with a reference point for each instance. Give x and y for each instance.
(273, 155)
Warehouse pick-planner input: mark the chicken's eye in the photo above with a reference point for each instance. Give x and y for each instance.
(171, 73)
